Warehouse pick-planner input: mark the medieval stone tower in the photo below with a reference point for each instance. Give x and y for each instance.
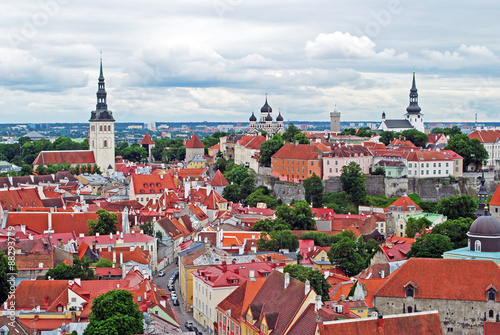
(102, 131)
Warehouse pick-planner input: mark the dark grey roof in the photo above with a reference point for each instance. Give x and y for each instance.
(398, 124)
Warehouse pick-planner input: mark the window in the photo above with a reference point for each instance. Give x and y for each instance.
(100, 128)
(336, 162)
(312, 163)
(427, 165)
(410, 291)
(410, 309)
(446, 164)
(434, 164)
(409, 165)
(328, 162)
(491, 294)
(105, 143)
(477, 246)
(490, 313)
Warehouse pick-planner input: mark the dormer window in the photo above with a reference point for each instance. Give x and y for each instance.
(152, 184)
(145, 184)
(491, 295)
(158, 184)
(410, 290)
(152, 191)
(234, 281)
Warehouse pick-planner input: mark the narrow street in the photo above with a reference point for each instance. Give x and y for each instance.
(182, 316)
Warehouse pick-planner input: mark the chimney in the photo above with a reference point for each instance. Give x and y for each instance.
(287, 279)
(317, 303)
(342, 297)
(347, 309)
(114, 256)
(380, 321)
(111, 235)
(96, 234)
(60, 243)
(251, 275)
(382, 274)
(23, 228)
(121, 257)
(307, 287)
(94, 248)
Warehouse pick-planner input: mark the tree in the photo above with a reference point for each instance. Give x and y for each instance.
(456, 230)
(135, 153)
(119, 147)
(386, 137)
(277, 240)
(471, 150)
(455, 130)
(340, 202)
(314, 190)
(430, 246)
(299, 218)
(414, 226)
(80, 269)
(379, 171)
(264, 225)
(456, 207)
(7, 266)
(115, 313)
(301, 138)
(320, 239)
(416, 137)
(269, 148)
(104, 263)
(316, 279)
(353, 182)
(345, 254)
(259, 196)
(106, 223)
(223, 164)
(290, 132)
(148, 228)
(232, 193)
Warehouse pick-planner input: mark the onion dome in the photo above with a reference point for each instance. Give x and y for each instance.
(253, 118)
(269, 117)
(485, 226)
(279, 118)
(266, 108)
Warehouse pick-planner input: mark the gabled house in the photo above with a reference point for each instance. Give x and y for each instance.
(400, 209)
(465, 292)
(297, 162)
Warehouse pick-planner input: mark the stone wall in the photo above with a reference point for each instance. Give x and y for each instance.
(428, 189)
(457, 316)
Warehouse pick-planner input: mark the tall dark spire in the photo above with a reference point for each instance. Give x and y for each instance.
(101, 109)
(413, 108)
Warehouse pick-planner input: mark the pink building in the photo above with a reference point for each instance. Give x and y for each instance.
(343, 155)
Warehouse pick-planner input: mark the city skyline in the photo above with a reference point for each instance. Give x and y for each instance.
(215, 61)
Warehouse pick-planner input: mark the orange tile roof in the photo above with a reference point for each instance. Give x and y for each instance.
(237, 302)
(147, 140)
(323, 147)
(445, 279)
(10, 199)
(153, 183)
(137, 255)
(495, 199)
(299, 151)
(485, 136)
(65, 157)
(43, 324)
(219, 179)
(414, 323)
(38, 292)
(252, 141)
(404, 202)
(194, 142)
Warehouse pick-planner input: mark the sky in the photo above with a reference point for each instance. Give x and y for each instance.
(215, 60)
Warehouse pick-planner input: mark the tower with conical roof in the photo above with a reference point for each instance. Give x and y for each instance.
(413, 114)
(102, 129)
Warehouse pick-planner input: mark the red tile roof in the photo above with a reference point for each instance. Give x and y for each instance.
(137, 255)
(223, 275)
(495, 199)
(396, 248)
(485, 136)
(491, 328)
(404, 202)
(65, 157)
(147, 140)
(106, 239)
(299, 151)
(444, 279)
(414, 323)
(194, 142)
(252, 141)
(32, 293)
(237, 302)
(153, 183)
(219, 179)
(10, 199)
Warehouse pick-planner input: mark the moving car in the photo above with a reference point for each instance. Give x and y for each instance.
(161, 273)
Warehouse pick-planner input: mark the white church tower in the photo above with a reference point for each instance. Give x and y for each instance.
(102, 131)
(413, 110)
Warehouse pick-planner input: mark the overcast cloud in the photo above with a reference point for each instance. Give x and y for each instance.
(214, 60)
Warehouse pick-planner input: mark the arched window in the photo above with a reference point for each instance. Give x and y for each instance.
(410, 309)
(105, 143)
(490, 313)
(100, 128)
(109, 128)
(477, 246)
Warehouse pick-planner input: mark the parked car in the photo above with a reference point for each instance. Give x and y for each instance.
(173, 295)
(189, 325)
(175, 302)
(161, 273)
(171, 287)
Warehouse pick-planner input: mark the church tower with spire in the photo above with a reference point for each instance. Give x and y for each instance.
(102, 130)
(413, 114)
